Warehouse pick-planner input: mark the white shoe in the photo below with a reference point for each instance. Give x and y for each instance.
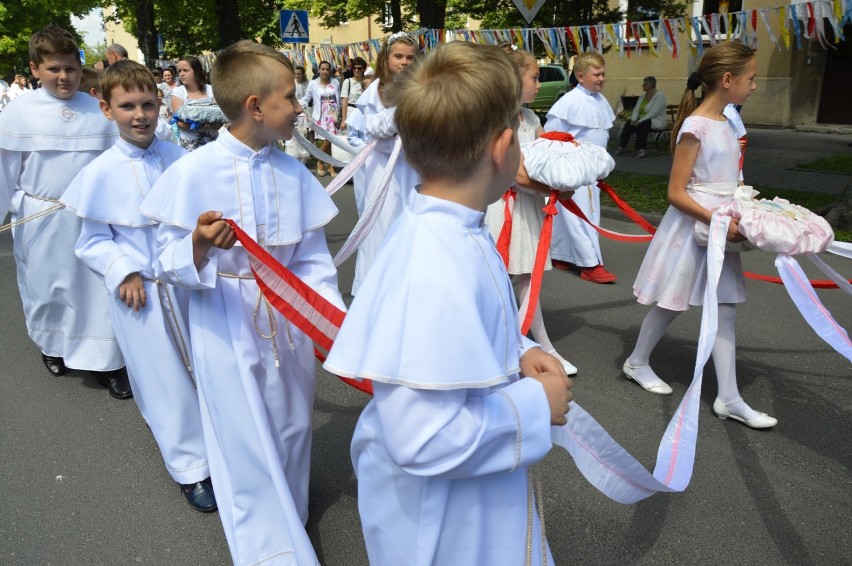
(657, 386)
(570, 368)
(760, 420)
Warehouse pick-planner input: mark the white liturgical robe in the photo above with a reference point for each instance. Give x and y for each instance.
(117, 240)
(442, 451)
(255, 371)
(44, 142)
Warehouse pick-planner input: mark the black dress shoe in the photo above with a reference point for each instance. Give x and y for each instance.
(117, 382)
(200, 495)
(54, 364)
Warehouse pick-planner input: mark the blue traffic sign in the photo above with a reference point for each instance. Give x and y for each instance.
(294, 26)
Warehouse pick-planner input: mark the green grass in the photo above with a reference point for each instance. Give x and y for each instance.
(648, 194)
(832, 164)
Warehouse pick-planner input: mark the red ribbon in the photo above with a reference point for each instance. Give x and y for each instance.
(505, 237)
(550, 210)
(318, 307)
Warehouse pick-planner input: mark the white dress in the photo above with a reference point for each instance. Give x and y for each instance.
(117, 240)
(588, 118)
(674, 271)
(378, 124)
(44, 142)
(527, 215)
(442, 451)
(255, 371)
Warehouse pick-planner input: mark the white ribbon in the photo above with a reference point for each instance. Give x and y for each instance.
(372, 210)
(608, 466)
(347, 172)
(806, 300)
(317, 152)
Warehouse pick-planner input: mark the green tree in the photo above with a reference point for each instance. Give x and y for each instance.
(20, 19)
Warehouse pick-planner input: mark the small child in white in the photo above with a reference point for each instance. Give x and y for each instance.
(442, 451)
(585, 114)
(118, 242)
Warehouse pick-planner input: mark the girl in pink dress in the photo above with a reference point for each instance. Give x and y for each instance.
(705, 174)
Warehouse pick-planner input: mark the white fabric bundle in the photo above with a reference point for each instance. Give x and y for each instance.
(566, 165)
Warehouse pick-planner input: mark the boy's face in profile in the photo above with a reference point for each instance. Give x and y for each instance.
(135, 112)
(59, 74)
(592, 79)
(279, 108)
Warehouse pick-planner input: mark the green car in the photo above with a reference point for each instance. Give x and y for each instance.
(554, 83)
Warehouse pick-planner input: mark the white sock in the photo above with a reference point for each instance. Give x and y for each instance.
(653, 327)
(724, 359)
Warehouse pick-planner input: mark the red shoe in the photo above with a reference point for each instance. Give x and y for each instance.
(597, 274)
(563, 265)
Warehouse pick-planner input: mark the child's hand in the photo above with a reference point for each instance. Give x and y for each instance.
(535, 361)
(734, 232)
(558, 390)
(132, 291)
(210, 231)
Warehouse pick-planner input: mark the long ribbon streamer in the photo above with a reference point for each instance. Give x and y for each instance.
(372, 210)
(811, 308)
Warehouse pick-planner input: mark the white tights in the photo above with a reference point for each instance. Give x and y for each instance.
(654, 326)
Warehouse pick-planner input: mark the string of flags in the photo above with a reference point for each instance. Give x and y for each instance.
(786, 26)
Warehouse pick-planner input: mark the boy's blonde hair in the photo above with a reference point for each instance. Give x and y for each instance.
(451, 104)
(50, 41)
(129, 75)
(586, 60)
(243, 69)
(90, 79)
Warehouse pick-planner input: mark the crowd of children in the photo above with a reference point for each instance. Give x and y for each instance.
(122, 250)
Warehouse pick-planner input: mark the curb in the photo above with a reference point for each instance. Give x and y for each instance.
(614, 213)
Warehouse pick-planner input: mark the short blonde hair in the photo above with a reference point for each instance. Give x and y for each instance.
(588, 59)
(242, 70)
(129, 75)
(451, 104)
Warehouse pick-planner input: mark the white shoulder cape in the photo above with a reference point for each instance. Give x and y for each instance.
(436, 310)
(42, 122)
(580, 108)
(220, 176)
(111, 188)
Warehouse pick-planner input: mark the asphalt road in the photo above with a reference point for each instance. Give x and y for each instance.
(81, 481)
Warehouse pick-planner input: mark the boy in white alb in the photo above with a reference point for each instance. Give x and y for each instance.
(118, 243)
(585, 114)
(442, 451)
(45, 139)
(255, 371)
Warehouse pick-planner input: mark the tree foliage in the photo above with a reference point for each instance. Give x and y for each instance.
(19, 19)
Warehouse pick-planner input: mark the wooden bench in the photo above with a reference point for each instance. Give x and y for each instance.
(658, 136)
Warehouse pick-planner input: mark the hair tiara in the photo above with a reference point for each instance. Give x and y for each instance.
(400, 35)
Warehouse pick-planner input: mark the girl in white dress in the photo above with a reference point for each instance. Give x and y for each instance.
(397, 53)
(705, 174)
(527, 215)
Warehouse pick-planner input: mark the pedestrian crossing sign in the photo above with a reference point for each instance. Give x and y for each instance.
(294, 26)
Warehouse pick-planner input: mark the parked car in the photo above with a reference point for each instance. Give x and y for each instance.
(554, 84)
